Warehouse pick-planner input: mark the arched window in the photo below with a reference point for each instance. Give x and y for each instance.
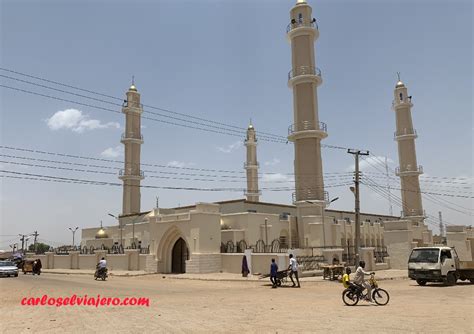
(401, 97)
(300, 18)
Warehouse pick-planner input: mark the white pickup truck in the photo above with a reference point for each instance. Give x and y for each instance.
(438, 264)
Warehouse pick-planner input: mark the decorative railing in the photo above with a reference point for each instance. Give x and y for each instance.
(251, 164)
(310, 195)
(131, 172)
(299, 23)
(131, 135)
(304, 70)
(405, 132)
(252, 193)
(259, 247)
(380, 253)
(307, 125)
(408, 168)
(115, 249)
(413, 213)
(126, 104)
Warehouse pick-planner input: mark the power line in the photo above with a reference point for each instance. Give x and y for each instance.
(82, 157)
(40, 177)
(117, 98)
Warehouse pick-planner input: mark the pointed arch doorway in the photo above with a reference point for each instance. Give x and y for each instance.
(179, 255)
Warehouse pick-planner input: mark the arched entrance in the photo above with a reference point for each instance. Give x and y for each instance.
(179, 255)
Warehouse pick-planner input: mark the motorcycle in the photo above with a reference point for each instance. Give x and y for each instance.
(100, 273)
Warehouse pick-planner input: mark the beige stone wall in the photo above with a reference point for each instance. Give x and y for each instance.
(461, 238)
(260, 263)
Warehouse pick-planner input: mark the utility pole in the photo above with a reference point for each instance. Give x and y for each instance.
(441, 227)
(23, 236)
(356, 154)
(388, 187)
(36, 236)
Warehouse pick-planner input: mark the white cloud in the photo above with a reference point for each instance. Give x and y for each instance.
(179, 164)
(372, 162)
(76, 121)
(112, 152)
(277, 177)
(273, 162)
(230, 148)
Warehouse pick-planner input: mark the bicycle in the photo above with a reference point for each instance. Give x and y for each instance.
(354, 293)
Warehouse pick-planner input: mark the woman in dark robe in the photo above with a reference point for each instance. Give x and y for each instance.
(245, 267)
(37, 267)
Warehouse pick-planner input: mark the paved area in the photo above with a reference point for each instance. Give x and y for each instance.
(197, 306)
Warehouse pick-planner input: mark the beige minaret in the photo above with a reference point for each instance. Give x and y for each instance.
(251, 166)
(307, 131)
(132, 139)
(408, 171)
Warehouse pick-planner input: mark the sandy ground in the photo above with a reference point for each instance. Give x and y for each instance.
(191, 306)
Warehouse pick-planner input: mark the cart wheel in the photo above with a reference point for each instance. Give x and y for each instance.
(278, 282)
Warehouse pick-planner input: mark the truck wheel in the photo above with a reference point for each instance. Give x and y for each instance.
(451, 279)
(421, 282)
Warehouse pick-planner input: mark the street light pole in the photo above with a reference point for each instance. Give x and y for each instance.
(73, 233)
(355, 190)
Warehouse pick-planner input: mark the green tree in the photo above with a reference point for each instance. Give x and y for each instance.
(40, 247)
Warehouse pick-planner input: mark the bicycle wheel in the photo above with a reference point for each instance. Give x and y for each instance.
(380, 296)
(349, 297)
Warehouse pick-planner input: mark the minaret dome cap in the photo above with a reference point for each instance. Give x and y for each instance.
(133, 88)
(400, 84)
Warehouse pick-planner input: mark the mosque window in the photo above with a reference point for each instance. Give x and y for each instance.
(300, 18)
(401, 97)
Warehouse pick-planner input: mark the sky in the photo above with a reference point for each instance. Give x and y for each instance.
(226, 61)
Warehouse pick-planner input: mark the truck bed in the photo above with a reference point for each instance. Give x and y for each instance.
(466, 265)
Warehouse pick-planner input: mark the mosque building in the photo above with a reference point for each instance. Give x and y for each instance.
(211, 237)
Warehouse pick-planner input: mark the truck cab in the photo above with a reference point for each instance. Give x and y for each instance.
(438, 264)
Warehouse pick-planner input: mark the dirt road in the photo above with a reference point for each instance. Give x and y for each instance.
(185, 306)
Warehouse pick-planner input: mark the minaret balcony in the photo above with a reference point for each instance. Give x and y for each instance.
(302, 27)
(409, 170)
(250, 165)
(307, 129)
(304, 74)
(130, 137)
(132, 107)
(131, 174)
(402, 103)
(405, 134)
(252, 193)
(413, 213)
(309, 195)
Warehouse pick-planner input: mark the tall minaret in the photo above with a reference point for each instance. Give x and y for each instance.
(251, 166)
(408, 171)
(306, 132)
(132, 139)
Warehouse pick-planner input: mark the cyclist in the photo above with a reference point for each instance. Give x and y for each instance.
(359, 279)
